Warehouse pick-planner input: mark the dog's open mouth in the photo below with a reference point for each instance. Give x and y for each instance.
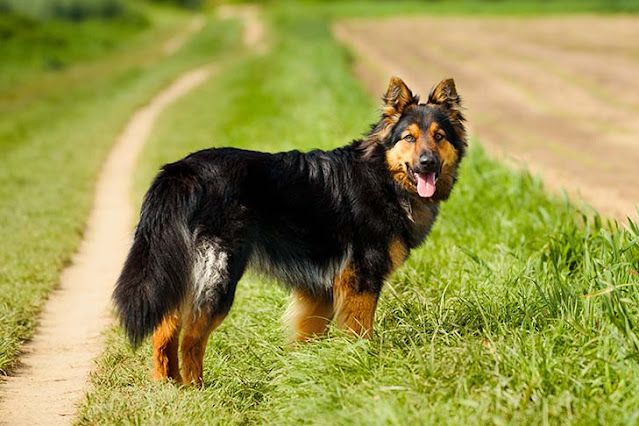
(425, 182)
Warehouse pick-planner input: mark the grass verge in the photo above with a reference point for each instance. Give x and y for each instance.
(517, 308)
(55, 131)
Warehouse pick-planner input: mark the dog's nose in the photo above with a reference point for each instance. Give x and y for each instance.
(427, 161)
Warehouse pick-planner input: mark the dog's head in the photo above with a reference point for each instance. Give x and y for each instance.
(423, 142)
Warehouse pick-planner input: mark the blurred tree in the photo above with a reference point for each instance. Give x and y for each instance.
(189, 4)
(70, 10)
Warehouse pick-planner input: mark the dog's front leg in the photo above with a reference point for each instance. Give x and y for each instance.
(354, 306)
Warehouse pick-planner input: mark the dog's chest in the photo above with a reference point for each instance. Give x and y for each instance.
(421, 217)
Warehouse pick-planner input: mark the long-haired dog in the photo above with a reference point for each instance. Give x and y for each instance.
(331, 225)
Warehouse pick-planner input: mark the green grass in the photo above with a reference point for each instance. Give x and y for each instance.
(517, 309)
(55, 131)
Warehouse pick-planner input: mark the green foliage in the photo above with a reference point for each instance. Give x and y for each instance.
(36, 37)
(188, 4)
(517, 309)
(69, 10)
(28, 46)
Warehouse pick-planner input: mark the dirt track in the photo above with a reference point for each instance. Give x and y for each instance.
(559, 94)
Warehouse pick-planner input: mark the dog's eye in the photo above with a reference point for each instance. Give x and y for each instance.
(409, 138)
(438, 137)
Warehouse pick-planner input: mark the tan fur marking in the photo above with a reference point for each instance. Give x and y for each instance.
(403, 152)
(434, 127)
(196, 334)
(308, 316)
(354, 312)
(398, 253)
(165, 349)
(447, 153)
(414, 130)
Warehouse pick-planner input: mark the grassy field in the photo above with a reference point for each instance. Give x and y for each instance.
(518, 309)
(56, 127)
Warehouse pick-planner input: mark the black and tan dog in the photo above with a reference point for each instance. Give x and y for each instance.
(331, 225)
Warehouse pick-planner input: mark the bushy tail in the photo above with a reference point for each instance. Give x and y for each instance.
(156, 274)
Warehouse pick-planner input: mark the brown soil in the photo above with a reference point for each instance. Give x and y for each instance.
(559, 95)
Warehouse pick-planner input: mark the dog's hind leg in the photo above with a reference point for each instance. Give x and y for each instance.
(165, 349)
(354, 308)
(308, 315)
(196, 334)
(218, 266)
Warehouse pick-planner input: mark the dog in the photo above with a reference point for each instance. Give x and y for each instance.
(330, 225)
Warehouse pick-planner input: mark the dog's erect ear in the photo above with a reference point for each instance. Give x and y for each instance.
(397, 98)
(445, 94)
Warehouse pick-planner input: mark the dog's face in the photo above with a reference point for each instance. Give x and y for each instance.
(423, 143)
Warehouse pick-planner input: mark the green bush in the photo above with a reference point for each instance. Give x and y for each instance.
(36, 36)
(69, 10)
(187, 4)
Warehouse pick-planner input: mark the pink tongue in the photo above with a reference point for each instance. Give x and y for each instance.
(425, 185)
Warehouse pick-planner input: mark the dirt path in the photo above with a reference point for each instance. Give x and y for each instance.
(254, 34)
(557, 95)
(174, 44)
